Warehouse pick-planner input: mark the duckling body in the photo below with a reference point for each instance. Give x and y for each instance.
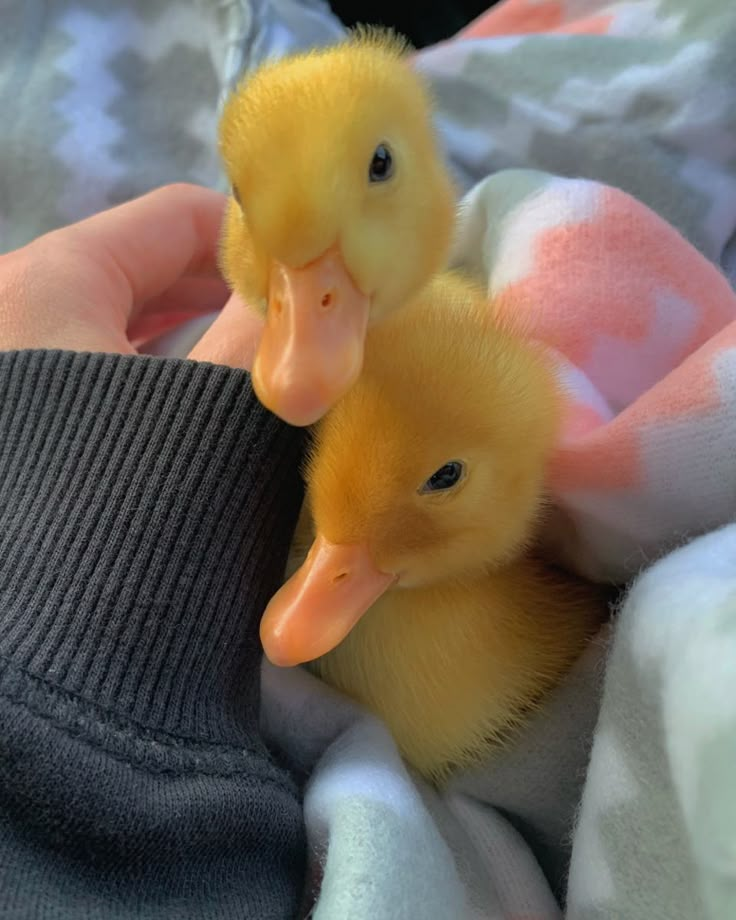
(421, 597)
(453, 668)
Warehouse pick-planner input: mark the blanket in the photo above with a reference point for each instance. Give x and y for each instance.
(594, 144)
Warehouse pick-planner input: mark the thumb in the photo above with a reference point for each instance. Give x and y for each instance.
(233, 338)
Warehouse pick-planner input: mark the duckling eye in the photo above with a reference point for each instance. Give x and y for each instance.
(236, 195)
(445, 478)
(382, 164)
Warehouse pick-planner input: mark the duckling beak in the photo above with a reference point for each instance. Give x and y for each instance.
(311, 350)
(321, 602)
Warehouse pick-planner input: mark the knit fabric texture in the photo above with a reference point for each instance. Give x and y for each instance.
(146, 507)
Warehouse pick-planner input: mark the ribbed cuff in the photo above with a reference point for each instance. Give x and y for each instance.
(146, 507)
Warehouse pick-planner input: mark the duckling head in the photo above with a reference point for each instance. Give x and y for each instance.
(341, 210)
(429, 469)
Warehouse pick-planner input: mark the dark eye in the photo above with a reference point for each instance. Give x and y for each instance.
(236, 195)
(382, 164)
(445, 478)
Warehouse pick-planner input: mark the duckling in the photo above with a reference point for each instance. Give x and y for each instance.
(341, 209)
(422, 595)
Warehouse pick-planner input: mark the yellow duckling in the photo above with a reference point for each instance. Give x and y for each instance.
(342, 210)
(419, 596)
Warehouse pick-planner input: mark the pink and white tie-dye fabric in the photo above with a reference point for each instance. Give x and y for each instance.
(643, 328)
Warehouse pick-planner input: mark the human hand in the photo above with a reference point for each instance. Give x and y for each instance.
(110, 282)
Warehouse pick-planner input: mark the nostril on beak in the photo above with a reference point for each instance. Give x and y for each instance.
(327, 299)
(341, 576)
(276, 306)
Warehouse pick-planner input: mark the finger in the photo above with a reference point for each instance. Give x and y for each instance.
(42, 305)
(190, 295)
(233, 338)
(185, 300)
(177, 343)
(143, 247)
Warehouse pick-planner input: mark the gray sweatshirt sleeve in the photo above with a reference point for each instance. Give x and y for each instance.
(146, 506)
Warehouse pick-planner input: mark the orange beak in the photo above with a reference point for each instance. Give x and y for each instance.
(311, 350)
(321, 602)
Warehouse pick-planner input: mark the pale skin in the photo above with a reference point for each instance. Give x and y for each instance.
(114, 280)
